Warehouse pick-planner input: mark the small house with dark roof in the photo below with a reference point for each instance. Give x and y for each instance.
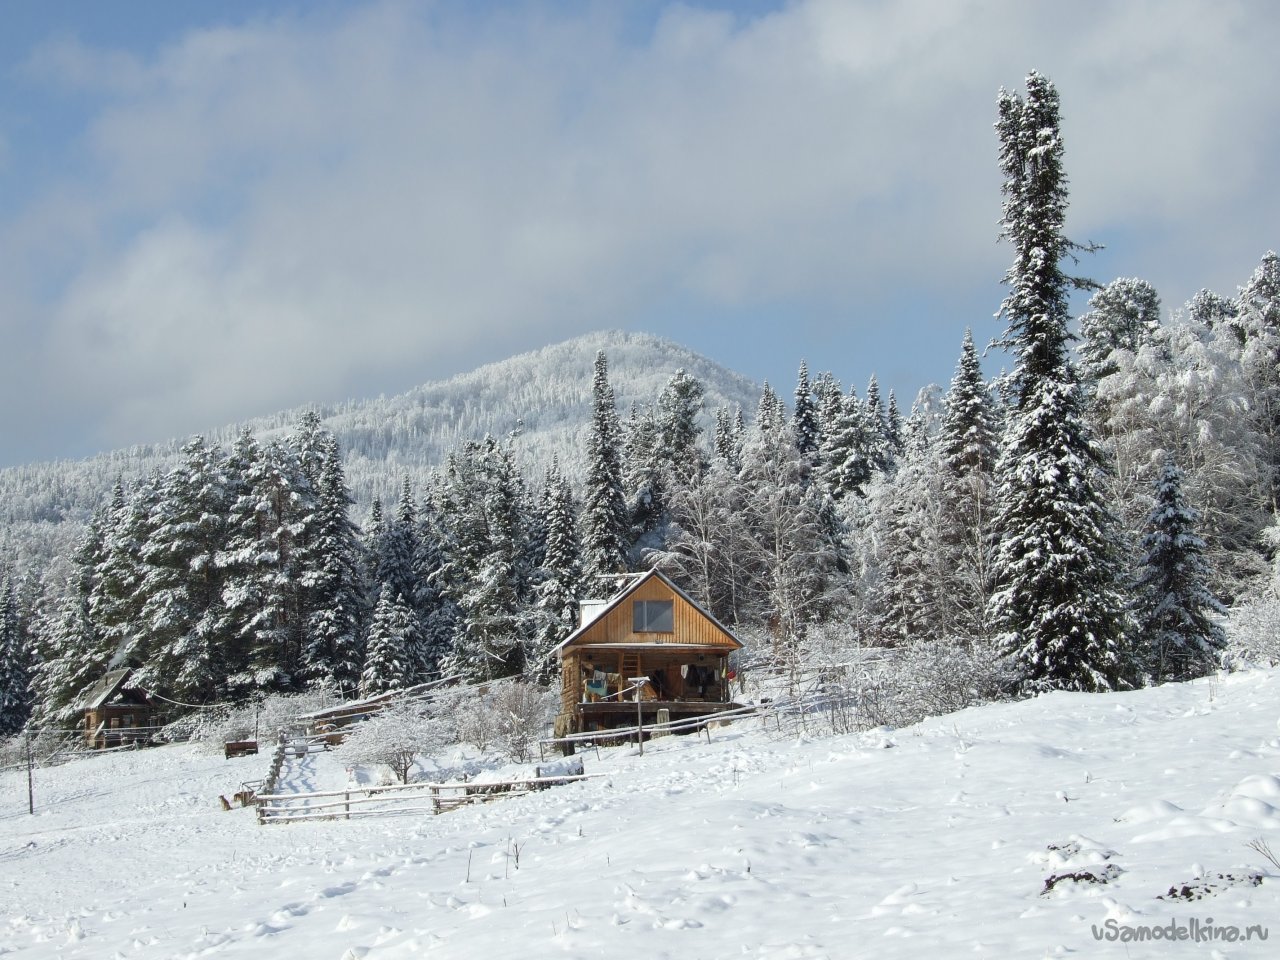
(649, 628)
(117, 713)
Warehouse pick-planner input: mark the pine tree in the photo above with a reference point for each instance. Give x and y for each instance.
(15, 662)
(912, 590)
(71, 652)
(1180, 638)
(968, 445)
(894, 440)
(852, 448)
(644, 476)
(559, 577)
(487, 572)
(283, 504)
(438, 614)
(115, 604)
(183, 616)
(1210, 310)
(771, 414)
(804, 416)
(392, 633)
(727, 442)
(1059, 603)
(678, 408)
(334, 649)
(604, 516)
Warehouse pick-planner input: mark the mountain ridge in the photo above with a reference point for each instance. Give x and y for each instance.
(540, 397)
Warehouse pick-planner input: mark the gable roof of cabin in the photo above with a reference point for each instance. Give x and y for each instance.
(618, 598)
(100, 692)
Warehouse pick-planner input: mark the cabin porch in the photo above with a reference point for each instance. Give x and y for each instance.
(683, 680)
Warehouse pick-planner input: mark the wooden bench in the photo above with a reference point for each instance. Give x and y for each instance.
(240, 748)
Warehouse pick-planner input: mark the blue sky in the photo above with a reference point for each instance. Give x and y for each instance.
(212, 211)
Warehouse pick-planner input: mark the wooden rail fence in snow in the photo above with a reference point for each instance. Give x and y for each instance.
(650, 730)
(397, 798)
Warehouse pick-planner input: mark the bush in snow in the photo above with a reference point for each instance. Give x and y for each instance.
(1253, 634)
(396, 736)
(522, 712)
(44, 743)
(930, 678)
(262, 720)
(510, 717)
(476, 719)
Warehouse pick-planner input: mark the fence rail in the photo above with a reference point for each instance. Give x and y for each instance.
(395, 799)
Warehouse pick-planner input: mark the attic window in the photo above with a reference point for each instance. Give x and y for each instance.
(653, 616)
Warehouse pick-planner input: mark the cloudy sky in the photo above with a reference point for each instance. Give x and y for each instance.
(211, 211)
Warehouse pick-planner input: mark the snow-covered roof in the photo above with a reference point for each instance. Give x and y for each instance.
(100, 692)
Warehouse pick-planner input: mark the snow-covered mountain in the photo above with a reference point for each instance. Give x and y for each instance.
(545, 395)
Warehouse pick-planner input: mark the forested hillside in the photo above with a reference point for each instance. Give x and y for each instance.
(543, 396)
(1081, 523)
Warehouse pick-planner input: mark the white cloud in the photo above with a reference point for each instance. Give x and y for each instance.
(307, 207)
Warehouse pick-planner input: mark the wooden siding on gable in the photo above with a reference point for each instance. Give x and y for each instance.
(692, 626)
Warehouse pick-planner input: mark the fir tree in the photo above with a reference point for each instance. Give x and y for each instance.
(727, 442)
(71, 652)
(437, 612)
(559, 579)
(183, 616)
(487, 573)
(1059, 603)
(15, 662)
(334, 650)
(115, 603)
(968, 444)
(852, 448)
(604, 515)
(804, 416)
(392, 634)
(1181, 639)
(894, 440)
(771, 414)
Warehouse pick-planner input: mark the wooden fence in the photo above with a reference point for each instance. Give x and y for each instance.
(403, 798)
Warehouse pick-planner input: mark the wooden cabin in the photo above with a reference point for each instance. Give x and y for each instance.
(649, 628)
(117, 714)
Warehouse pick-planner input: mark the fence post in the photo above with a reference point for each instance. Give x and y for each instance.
(31, 791)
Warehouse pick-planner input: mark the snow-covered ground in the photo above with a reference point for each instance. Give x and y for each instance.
(935, 841)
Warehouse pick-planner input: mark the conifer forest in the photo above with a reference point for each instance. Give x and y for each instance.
(1085, 517)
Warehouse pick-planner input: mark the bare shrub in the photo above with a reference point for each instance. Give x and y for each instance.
(523, 711)
(509, 716)
(396, 736)
(476, 720)
(1253, 635)
(928, 679)
(263, 719)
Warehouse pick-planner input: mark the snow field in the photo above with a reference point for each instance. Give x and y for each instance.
(934, 841)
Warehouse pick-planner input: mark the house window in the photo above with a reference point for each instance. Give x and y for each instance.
(653, 616)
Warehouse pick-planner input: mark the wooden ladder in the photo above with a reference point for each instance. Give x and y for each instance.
(630, 667)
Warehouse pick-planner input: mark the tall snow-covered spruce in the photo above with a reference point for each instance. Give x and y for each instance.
(1176, 612)
(1058, 607)
(605, 520)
